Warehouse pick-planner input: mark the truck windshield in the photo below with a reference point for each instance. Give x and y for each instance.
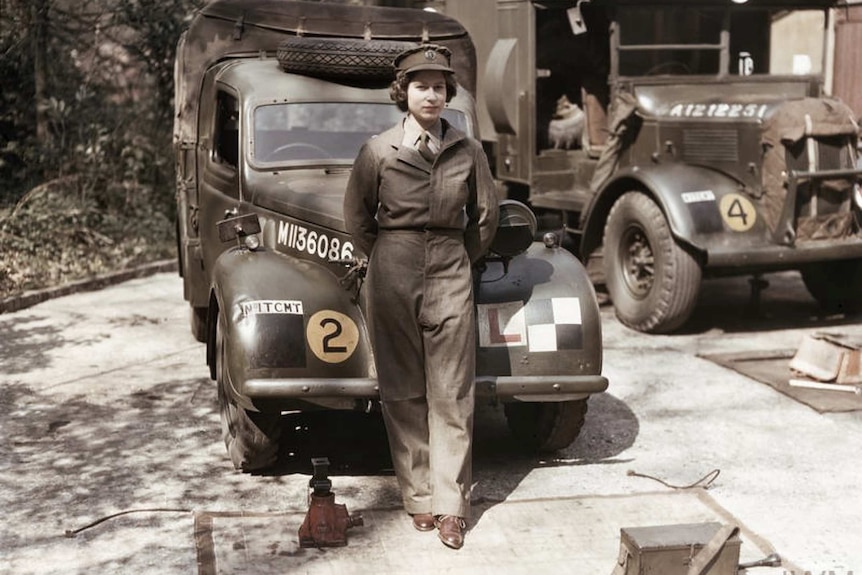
(687, 40)
(327, 132)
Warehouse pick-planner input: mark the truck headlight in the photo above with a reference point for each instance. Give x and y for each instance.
(516, 229)
(252, 242)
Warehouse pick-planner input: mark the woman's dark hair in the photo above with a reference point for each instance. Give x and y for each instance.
(398, 88)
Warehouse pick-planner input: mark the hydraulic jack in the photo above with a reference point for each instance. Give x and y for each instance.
(326, 522)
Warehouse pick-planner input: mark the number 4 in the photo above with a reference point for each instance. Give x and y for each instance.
(737, 210)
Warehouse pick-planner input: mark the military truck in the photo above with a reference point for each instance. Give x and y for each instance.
(703, 144)
(273, 101)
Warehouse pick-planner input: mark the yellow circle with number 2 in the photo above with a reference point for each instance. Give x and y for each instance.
(738, 212)
(332, 336)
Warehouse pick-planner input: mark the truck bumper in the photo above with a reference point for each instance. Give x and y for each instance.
(518, 388)
(540, 387)
(785, 257)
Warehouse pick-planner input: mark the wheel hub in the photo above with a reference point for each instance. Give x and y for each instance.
(638, 262)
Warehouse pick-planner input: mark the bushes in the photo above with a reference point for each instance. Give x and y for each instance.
(53, 237)
(85, 137)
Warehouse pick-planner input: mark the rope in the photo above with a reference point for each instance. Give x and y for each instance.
(73, 532)
(711, 476)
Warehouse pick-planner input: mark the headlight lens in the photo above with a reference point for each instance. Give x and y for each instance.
(252, 242)
(516, 229)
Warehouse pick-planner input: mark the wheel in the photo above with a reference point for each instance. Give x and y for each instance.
(251, 437)
(340, 58)
(548, 426)
(652, 281)
(199, 323)
(836, 285)
(316, 151)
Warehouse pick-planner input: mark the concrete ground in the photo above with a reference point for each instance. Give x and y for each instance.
(107, 408)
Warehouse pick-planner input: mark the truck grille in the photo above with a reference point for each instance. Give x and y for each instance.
(823, 206)
(830, 154)
(710, 146)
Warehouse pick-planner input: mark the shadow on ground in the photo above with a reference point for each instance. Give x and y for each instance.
(727, 304)
(356, 444)
(25, 341)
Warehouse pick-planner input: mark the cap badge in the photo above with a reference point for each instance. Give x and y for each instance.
(430, 55)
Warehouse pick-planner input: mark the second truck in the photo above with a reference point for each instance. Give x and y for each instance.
(678, 140)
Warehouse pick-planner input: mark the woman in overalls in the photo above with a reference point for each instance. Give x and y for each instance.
(421, 202)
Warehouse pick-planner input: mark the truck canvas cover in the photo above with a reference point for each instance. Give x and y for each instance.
(244, 28)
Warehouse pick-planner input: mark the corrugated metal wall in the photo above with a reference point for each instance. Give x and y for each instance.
(847, 79)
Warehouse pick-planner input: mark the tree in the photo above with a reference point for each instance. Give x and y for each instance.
(85, 135)
(82, 73)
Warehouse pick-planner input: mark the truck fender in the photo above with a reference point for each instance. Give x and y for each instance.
(284, 317)
(538, 285)
(691, 198)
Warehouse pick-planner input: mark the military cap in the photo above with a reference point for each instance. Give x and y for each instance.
(424, 57)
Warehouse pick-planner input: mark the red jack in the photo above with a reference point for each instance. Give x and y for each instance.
(326, 522)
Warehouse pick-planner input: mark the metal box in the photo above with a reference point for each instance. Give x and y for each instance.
(670, 549)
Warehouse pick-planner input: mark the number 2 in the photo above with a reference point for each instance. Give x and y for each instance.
(328, 346)
(332, 336)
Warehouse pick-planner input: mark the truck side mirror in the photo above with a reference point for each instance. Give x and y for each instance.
(238, 227)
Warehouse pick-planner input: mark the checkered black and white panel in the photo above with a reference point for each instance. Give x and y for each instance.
(542, 325)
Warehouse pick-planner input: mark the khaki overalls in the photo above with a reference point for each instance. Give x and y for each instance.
(423, 224)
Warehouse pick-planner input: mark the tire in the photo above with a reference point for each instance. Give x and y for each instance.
(836, 285)
(199, 323)
(545, 427)
(652, 281)
(340, 58)
(251, 438)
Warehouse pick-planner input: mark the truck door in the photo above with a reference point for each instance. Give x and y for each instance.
(219, 161)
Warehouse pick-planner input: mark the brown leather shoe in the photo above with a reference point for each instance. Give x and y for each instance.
(423, 521)
(450, 530)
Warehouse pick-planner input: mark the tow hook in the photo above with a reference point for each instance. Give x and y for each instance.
(326, 522)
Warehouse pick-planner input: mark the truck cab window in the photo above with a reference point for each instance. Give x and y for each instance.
(324, 131)
(676, 41)
(226, 146)
(685, 41)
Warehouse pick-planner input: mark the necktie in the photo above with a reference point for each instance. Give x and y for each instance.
(424, 147)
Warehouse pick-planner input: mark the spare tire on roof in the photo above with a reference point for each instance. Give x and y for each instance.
(336, 58)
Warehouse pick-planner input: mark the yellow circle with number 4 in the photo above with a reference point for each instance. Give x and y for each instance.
(738, 212)
(332, 336)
